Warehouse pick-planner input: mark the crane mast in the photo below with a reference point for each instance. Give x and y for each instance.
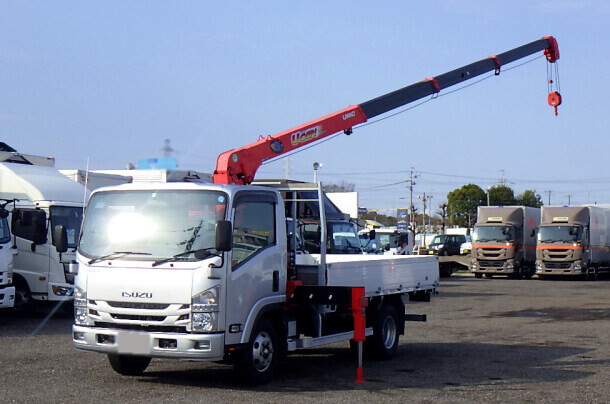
(239, 166)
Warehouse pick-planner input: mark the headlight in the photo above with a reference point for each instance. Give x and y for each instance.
(440, 246)
(473, 265)
(206, 322)
(510, 266)
(538, 266)
(80, 297)
(577, 267)
(80, 307)
(204, 310)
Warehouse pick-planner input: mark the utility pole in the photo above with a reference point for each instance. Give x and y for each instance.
(411, 216)
(549, 191)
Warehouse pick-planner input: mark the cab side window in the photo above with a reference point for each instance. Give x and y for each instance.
(253, 229)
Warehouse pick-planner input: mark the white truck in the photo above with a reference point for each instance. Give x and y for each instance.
(209, 272)
(204, 272)
(573, 241)
(7, 290)
(42, 198)
(94, 180)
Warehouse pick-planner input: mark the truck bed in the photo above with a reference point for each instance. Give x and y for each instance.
(378, 274)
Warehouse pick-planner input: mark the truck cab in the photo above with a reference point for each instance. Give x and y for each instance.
(41, 199)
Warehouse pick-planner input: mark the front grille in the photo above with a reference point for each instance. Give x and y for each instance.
(137, 305)
(491, 264)
(136, 317)
(138, 327)
(557, 265)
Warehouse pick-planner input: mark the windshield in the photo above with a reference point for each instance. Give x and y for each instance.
(151, 225)
(342, 238)
(438, 240)
(5, 234)
(493, 233)
(566, 234)
(69, 217)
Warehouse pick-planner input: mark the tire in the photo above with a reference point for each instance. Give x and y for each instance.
(478, 275)
(257, 363)
(383, 343)
(23, 296)
(489, 276)
(129, 365)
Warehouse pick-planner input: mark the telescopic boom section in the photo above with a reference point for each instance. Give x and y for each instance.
(239, 166)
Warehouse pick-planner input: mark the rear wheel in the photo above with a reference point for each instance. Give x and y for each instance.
(478, 275)
(257, 362)
(129, 365)
(384, 341)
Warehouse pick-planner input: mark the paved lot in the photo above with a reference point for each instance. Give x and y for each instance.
(487, 340)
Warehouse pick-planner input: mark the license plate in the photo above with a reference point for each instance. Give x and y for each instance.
(430, 252)
(133, 343)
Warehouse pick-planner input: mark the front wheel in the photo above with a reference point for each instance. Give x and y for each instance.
(257, 362)
(384, 341)
(128, 365)
(23, 296)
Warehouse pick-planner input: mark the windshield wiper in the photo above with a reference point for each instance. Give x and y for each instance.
(115, 255)
(199, 254)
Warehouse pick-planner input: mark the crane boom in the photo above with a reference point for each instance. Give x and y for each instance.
(239, 166)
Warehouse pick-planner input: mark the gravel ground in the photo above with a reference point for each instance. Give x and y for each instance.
(486, 340)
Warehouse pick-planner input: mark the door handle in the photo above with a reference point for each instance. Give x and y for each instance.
(276, 281)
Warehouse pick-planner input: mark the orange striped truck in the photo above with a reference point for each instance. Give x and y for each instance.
(504, 241)
(573, 240)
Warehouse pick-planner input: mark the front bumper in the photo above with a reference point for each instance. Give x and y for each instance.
(498, 267)
(7, 297)
(559, 268)
(205, 347)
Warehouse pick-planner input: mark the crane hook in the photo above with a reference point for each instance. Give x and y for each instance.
(554, 100)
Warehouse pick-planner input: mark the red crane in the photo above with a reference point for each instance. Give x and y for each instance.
(238, 166)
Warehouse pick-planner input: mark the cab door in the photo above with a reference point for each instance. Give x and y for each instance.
(257, 268)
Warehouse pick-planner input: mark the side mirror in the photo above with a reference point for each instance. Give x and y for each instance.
(61, 239)
(372, 234)
(3, 213)
(224, 236)
(533, 233)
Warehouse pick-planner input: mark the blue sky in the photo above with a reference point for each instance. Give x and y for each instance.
(108, 81)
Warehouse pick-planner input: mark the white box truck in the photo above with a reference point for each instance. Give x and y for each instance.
(7, 290)
(504, 241)
(573, 241)
(43, 198)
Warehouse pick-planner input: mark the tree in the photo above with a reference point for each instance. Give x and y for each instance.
(340, 187)
(501, 195)
(529, 198)
(442, 212)
(462, 204)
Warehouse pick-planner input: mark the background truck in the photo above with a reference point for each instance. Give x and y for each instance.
(42, 198)
(7, 290)
(386, 240)
(209, 272)
(504, 241)
(573, 240)
(94, 180)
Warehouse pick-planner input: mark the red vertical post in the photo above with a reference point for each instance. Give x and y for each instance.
(358, 305)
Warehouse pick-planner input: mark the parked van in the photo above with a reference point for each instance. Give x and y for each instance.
(446, 244)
